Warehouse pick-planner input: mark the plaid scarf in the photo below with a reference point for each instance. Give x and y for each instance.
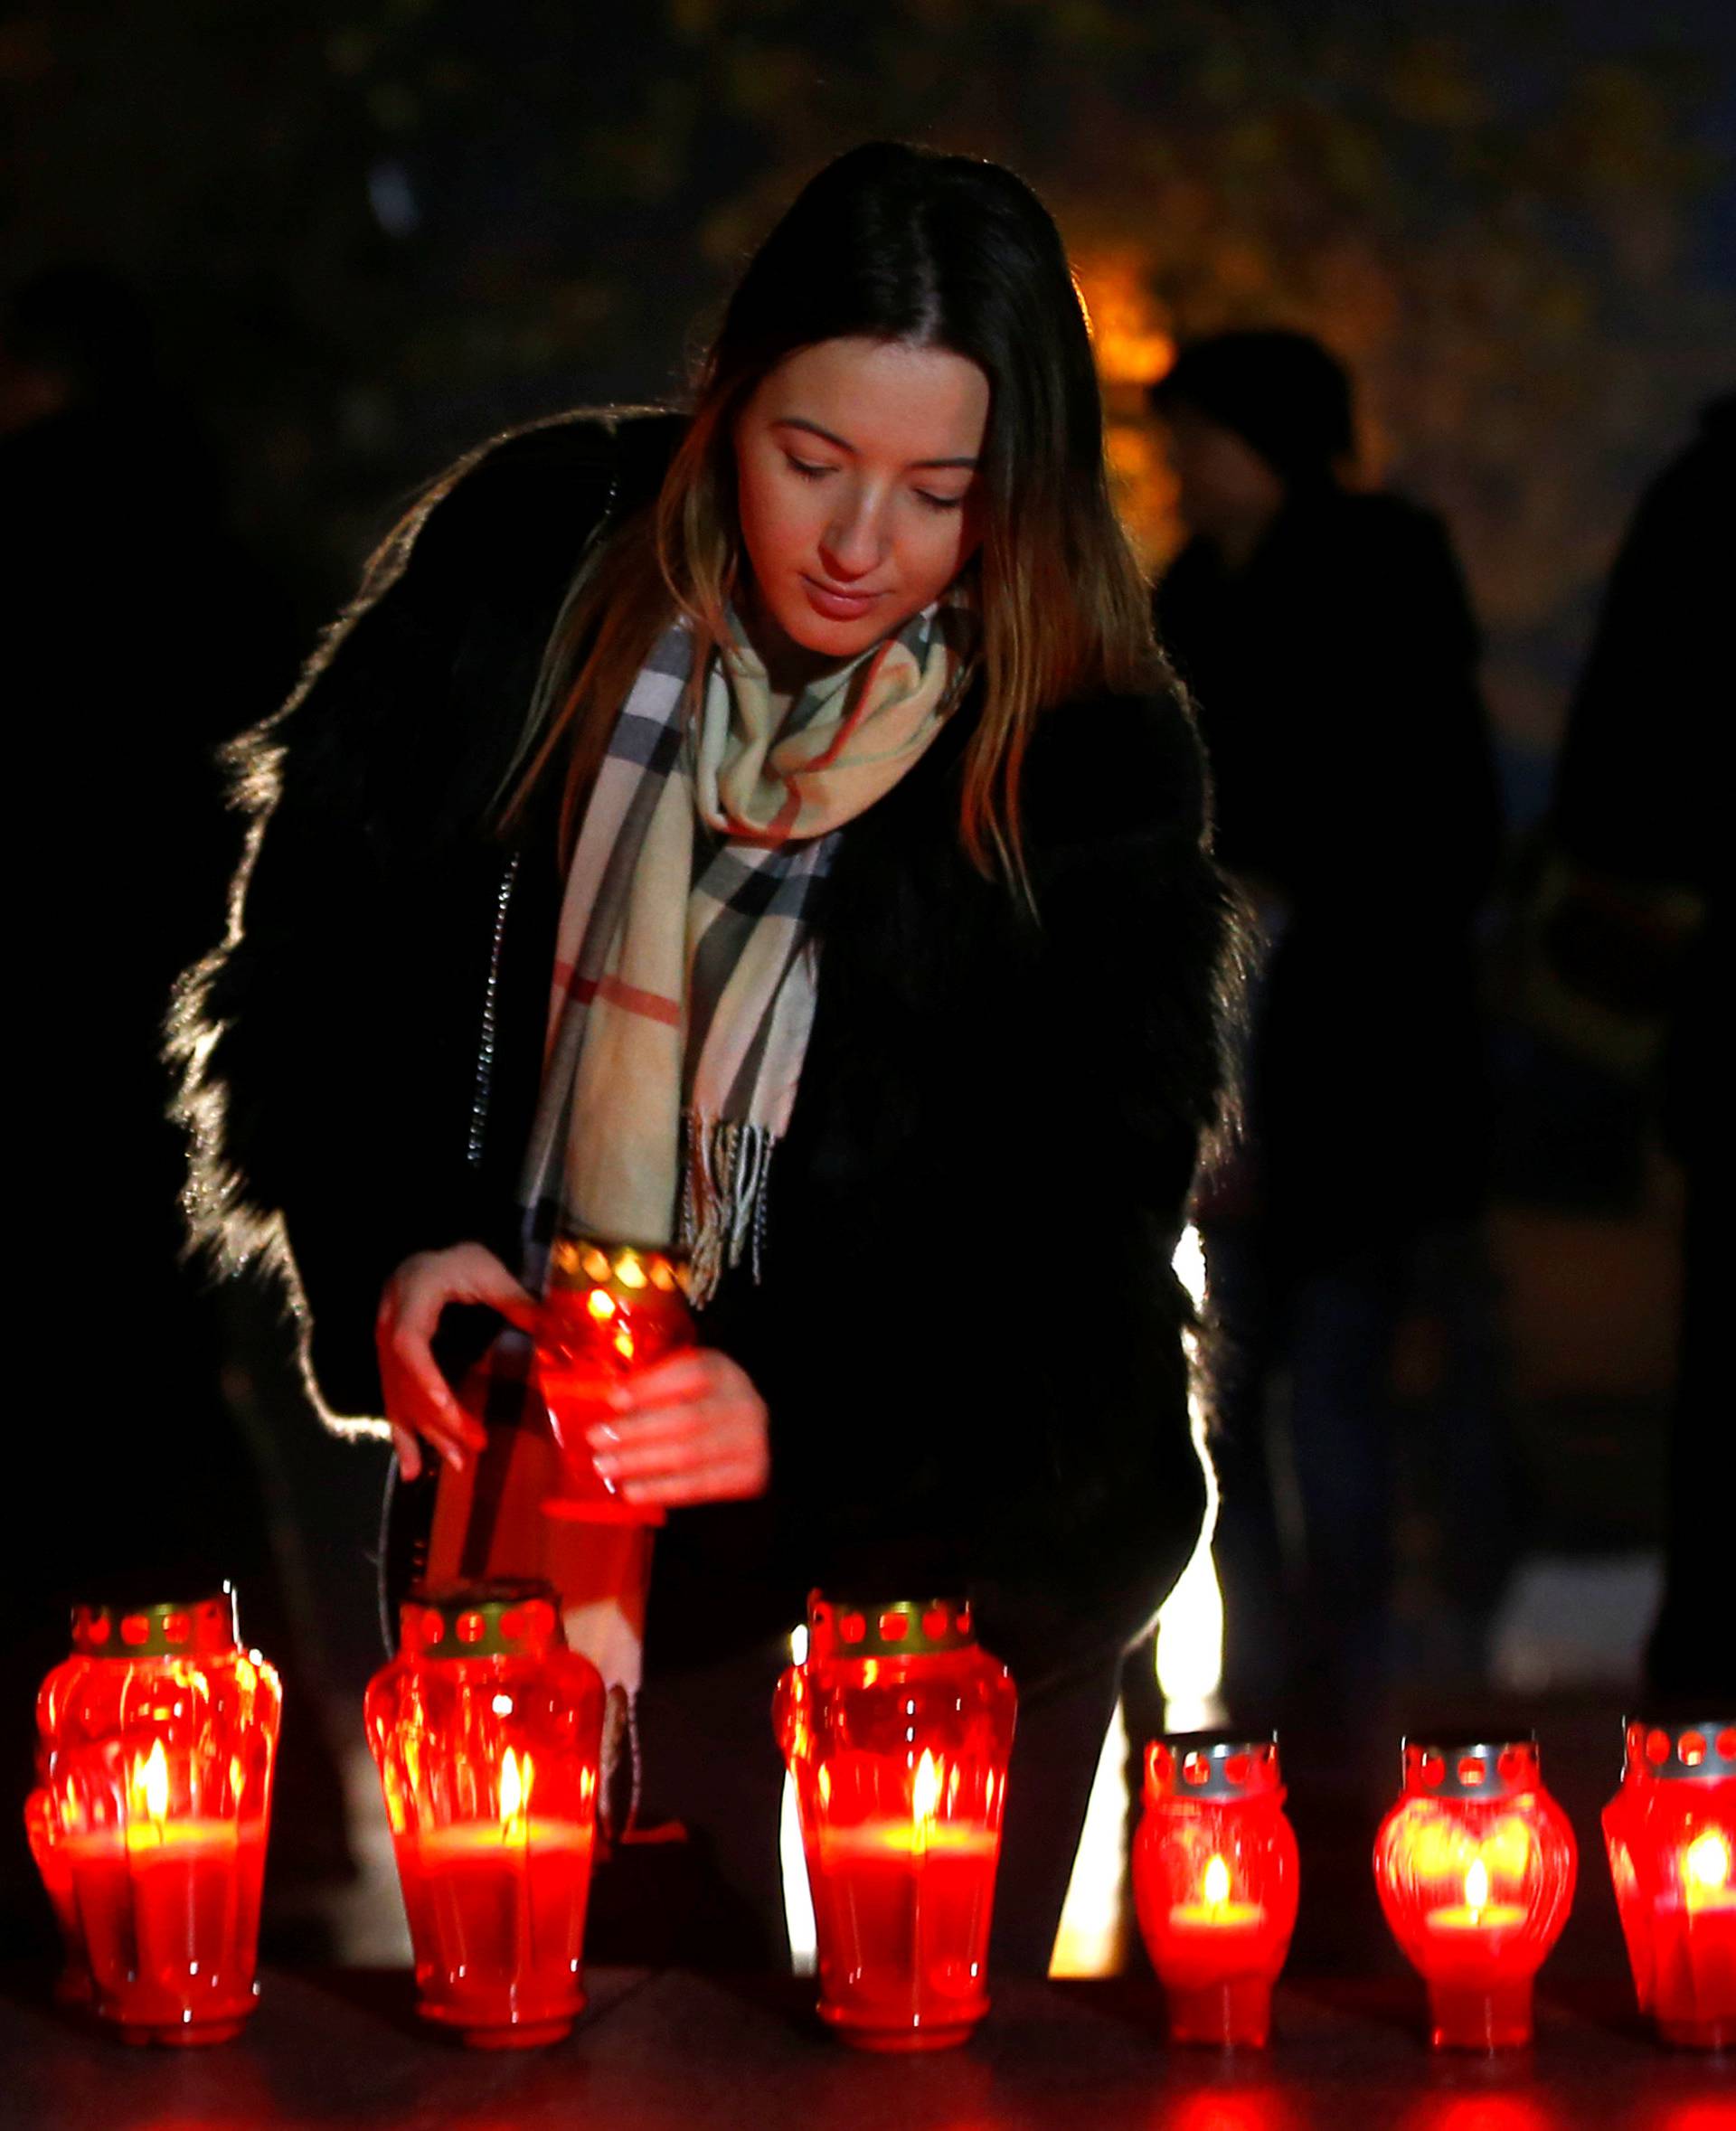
(685, 961)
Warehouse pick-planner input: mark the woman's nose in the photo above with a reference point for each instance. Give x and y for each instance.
(852, 544)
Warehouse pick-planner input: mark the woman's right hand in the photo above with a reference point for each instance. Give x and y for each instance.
(418, 1399)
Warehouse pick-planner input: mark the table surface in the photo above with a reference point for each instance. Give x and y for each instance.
(658, 2049)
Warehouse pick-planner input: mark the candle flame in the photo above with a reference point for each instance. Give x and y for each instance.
(151, 1785)
(1707, 1862)
(600, 1305)
(515, 1789)
(1215, 1887)
(624, 1344)
(925, 1792)
(1477, 1886)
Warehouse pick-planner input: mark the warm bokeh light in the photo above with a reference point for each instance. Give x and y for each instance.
(1130, 333)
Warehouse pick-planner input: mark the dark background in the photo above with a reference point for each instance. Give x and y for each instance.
(368, 235)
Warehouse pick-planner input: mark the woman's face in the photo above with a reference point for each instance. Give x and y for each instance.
(857, 485)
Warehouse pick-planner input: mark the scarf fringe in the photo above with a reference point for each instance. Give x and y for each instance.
(725, 1178)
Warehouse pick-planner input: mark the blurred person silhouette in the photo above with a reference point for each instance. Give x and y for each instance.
(1329, 643)
(139, 633)
(1639, 934)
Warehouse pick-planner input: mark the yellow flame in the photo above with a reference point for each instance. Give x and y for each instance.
(151, 1785)
(600, 1305)
(629, 1271)
(1477, 1886)
(925, 1792)
(1215, 1887)
(624, 1344)
(515, 1789)
(1707, 1862)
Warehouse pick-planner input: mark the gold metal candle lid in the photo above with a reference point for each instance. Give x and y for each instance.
(628, 1272)
(1221, 1767)
(171, 1627)
(887, 1628)
(1475, 1770)
(1679, 1752)
(515, 1617)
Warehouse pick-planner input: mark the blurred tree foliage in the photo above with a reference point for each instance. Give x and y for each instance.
(373, 229)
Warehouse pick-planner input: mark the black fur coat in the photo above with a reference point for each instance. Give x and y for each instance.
(967, 1332)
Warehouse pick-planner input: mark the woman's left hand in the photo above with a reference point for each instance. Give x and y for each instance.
(691, 1428)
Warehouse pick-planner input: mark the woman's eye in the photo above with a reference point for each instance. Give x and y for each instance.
(941, 503)
(808, 471)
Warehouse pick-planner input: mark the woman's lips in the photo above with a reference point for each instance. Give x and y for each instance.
(838, 605)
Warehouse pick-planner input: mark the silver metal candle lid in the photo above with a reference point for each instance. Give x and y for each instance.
(1213, 1765)
(1680, 1751)
(1437, 1768)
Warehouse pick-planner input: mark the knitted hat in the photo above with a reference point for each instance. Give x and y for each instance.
(1281, 392)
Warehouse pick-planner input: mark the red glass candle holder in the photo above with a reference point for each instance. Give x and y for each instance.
(896, 1729)
(1215, 1883)
(47, 1852)
(1671, 1835)
(486, 1730)
(158, 1738)
(610, 1311)
(1475, 1866)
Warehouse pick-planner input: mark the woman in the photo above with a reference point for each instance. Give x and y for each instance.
(818, 742)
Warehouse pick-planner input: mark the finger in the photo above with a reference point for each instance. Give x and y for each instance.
(725, 1442)
(734, 1480)
(408, 1409)
(690, 1421)
(492, 1284)
(430, 1403)
(674, 1380)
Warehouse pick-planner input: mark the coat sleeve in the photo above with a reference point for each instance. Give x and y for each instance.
(323, 1048)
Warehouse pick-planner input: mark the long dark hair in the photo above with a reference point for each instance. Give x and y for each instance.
(896, 243)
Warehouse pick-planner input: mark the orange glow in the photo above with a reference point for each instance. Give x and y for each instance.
(1129, 334)
(629, 1271)
(1261, 2110)
(600, 1304)
(1479, 2112)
